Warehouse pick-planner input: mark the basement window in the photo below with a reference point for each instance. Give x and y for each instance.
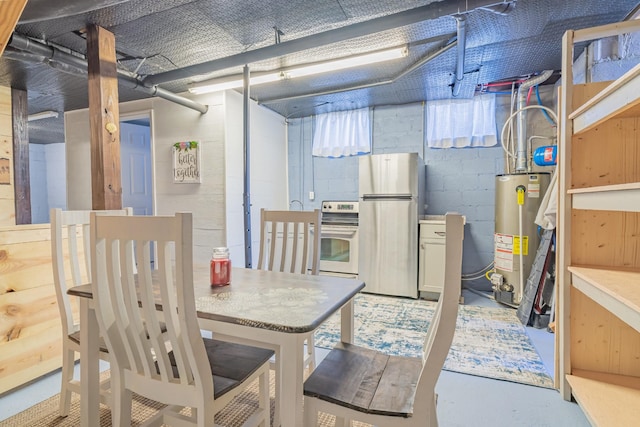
(342, 134)
(458, 123)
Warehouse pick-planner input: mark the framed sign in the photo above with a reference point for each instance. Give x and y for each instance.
(186, 162)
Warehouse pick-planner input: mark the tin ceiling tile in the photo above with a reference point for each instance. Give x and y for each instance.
(153, 36)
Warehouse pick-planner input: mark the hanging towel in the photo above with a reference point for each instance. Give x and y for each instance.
(343, 133)
(546, 216)
(461, 123)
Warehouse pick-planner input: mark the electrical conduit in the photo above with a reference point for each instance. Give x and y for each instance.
(520, 191)
(461, 28)
(521, 147)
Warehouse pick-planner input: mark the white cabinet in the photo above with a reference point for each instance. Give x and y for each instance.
(431, 256)
(599, 240)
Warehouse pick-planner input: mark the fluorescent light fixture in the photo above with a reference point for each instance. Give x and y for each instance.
(235, 81)
(232, 82)
(42, 115)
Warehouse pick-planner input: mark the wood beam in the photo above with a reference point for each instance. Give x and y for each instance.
(10, 11)
(104, 113)
(22, 183)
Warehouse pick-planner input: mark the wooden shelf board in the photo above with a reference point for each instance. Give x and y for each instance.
(607, 30)
(620, 197)
(617, 100)
(606, 399)
(615, 290)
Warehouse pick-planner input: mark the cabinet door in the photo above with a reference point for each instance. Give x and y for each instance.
(432, 256)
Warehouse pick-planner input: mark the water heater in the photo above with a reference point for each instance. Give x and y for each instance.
(516, 238)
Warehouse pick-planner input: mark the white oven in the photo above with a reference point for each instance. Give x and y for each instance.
(339, 249)
(339, 239)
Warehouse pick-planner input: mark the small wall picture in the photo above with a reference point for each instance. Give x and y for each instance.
(5, 171)
(186, 162)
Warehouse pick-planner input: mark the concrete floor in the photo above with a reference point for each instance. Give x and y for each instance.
(467, 400)
(464, 400)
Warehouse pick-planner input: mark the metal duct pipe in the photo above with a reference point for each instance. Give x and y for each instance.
(521, 145)
(433, 10)
(461, 27)
(134, 83)
(20, 55)
(77, 65)
(50, 53)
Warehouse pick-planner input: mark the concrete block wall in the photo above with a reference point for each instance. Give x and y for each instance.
(328, 179)
(607, 59)
(463, 180)
(398, 129)
(460, 180)
(394, 130)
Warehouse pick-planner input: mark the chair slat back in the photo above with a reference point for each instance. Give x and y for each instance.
(126, 303)
(442, 327)
(290, 241)
(70, 256)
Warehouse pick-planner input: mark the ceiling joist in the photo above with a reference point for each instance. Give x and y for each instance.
(10, 11)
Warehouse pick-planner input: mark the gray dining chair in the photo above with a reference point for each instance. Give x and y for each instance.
(72, 267)
(177, 366)
(359, 384)
(299, 252)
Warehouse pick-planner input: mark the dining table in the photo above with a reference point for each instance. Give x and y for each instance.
(266, 308)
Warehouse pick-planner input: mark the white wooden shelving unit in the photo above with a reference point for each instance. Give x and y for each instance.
(598, 339)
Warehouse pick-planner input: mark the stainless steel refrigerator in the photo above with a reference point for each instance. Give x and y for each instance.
(391, 188)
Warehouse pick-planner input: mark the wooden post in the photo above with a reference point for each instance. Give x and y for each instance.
(106, 186)
(22, 186)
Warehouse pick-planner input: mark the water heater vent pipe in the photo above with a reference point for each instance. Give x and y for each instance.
(521, 146)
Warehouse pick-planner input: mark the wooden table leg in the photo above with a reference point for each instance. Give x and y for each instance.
(291, 354)
(89, 365)
(346, 322)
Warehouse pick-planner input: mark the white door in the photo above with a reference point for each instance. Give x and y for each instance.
(135, 160)
(135, 155)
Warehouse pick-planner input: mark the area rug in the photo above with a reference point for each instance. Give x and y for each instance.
(45, 413)
(488, 342)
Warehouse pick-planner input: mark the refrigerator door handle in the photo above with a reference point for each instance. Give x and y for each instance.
(366, 197)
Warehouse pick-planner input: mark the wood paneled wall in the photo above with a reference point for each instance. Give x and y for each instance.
(7, 197)
(30, 328)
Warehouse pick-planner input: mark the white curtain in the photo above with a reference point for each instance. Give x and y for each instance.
(462, 122)
(343, 133)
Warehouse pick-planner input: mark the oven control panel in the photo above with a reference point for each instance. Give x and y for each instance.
(340, 207)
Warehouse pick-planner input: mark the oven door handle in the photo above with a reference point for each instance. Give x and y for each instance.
(333, 233)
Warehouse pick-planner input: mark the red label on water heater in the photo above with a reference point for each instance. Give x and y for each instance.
(548, 154)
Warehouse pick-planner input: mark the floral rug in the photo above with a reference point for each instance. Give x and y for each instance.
(488, 342)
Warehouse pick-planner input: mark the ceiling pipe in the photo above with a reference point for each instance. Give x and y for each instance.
(521, 145)
(430, 56)
(433, 10)
(77, 65)
(500, 9)
(461, 28)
